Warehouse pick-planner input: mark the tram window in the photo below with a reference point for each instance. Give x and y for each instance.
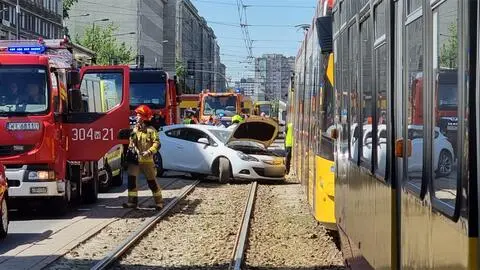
(445, 68)
(381, 86)
(354, 123)
(380, 23)
(414, 121)
(413, 5)
(366, 88)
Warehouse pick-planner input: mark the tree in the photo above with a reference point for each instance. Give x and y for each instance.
(102, 41)
(449, 50)
(181, 72)
(67, 5)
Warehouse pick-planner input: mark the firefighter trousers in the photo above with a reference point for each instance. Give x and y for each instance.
(150, 172)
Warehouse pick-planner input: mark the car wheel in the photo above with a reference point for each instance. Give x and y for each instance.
(117, 180)
(157, 158)
(4, 220)
(223, 170)
(105, 185)
(445, 163)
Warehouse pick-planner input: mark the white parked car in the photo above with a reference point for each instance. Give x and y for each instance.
(239, 153)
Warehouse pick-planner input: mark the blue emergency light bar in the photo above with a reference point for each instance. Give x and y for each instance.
(27, 49)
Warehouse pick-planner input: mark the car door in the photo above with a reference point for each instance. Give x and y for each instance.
(171, 148)
(195, 155)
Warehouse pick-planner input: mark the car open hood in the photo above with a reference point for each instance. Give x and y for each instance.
(256, 129)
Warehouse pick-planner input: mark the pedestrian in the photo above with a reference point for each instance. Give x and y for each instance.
(288, 146)
(144, 143)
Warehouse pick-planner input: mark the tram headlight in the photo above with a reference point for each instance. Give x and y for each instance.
(242, 156)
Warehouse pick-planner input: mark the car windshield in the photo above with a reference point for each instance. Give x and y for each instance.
(265, 108)
(23, 90)
(226, 105)
(222, 135)
(447, 95)
(151, 94)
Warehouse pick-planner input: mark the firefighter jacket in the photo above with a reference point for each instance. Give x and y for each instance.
(145, 139)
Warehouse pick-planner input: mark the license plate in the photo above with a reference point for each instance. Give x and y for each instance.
(38, 190)
(452, 128)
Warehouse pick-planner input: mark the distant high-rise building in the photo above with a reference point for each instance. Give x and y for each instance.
(247, 87)
(272, 76)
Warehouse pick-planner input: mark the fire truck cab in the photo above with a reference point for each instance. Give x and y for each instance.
(57, 122)
(214, 104)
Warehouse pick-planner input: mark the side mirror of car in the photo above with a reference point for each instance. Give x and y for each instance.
(203, 141)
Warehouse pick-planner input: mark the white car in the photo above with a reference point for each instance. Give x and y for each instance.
(240, 153)
(443, 156)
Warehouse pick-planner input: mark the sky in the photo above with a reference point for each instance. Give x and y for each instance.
(280, 36)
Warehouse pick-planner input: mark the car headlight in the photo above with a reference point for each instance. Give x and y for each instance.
(41, 175)
(242, 156)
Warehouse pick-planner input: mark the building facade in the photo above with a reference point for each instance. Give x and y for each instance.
(247, 87)
(38, 18)
(272, 76)
(140, 24)
(198, 50)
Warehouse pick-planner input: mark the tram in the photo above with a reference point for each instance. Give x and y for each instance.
(312, 115)
(405, 131)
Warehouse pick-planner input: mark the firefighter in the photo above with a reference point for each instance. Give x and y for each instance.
(145, 143)
(288, 146)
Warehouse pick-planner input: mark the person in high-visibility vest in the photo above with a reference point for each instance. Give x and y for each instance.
(189, 119)
(288, 146)
(145, 143)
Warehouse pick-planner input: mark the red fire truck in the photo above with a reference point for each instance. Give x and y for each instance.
(154, 88)
(56, 127)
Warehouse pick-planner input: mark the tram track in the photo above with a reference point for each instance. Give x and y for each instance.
(238, 255)
(118, 228)
(144, 228)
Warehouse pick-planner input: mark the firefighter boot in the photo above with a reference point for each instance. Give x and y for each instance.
(132, 193)
(157, 194)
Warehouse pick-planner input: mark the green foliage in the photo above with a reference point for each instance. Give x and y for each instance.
(449, 50)
(67, 5)
(179, 68)
(102, 41)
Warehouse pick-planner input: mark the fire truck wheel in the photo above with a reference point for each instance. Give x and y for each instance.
(90, 191)
(4, 219)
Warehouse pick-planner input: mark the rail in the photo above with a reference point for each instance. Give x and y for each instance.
(144, 228)
(242, 235)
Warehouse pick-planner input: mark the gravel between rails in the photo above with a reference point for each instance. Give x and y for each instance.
(85, 255)
(199, 234)
(284, 235)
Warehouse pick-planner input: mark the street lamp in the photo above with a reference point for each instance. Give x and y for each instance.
(81, 15)
(124, 34)
(93, 29)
